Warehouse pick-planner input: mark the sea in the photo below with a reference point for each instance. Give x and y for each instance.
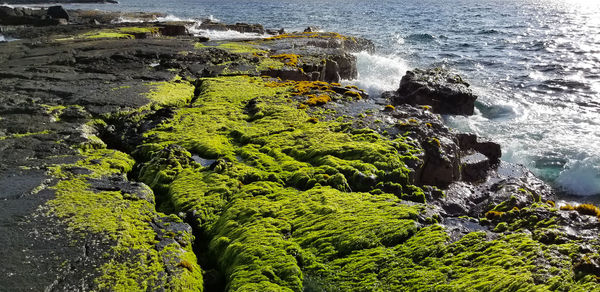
(535, 64)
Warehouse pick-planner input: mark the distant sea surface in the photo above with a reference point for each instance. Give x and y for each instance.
(534, 63)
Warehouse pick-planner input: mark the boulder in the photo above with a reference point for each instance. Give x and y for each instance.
(474, 167)
(174, 30)
(490, 149)
(445, 92)
(57, 12)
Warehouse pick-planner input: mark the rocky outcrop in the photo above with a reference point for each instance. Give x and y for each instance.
(445, 92)
(294, 183)
(239, 27)
(29, 16)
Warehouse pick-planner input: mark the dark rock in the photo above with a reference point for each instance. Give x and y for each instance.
(474, 167)
(239, 27)
(332, 72)
(311, 29)
(57, 12)
(471, 142)
(446, 93)
(174, 30)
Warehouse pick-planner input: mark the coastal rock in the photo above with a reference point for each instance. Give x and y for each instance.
(57, 12)
(289, 183)
(239, 27)
(173, 29)
(490, 149)
(445, 92)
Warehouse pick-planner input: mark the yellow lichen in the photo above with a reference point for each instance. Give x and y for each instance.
(288, 59)
(318, 100)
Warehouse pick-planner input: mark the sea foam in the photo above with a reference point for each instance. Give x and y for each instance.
(379, 73)
(581, 177)
(221, 34)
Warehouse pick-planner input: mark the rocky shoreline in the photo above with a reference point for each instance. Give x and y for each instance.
(136, 156)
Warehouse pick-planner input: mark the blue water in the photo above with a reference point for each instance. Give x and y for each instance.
(534, 63)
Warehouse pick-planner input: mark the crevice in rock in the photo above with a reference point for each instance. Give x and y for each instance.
(124, 135)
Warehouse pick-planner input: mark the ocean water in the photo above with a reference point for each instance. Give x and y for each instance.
(534, 63)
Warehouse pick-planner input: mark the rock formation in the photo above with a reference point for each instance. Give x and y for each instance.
(138, 157)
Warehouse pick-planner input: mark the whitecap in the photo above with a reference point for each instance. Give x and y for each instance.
(581, 177)
(378, 73)
(171, 17)
(221, 34)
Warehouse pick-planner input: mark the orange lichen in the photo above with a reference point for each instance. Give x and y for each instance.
(186, 264)
(305, 87)
(318, 100)
(584, 209)
(353, 94)
(491, 215)
(288, 59)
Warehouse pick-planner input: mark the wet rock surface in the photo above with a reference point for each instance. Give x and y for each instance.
(274, 175)
(444, 91)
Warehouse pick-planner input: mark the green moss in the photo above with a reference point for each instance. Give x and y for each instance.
(234, 47)
(18, 136)
(107, 34)
(123, 222)
(122, 32)
(176, 92)
(291, 205)
(272, 171)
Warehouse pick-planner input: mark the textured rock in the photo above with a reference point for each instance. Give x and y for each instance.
(294, 184)
(445, 92)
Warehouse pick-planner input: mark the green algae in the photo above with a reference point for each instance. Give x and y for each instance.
(23, 135)
(279, 189)
(234, 47)
(285, 203)
(123, 221)
(176, 92)
(122, 32)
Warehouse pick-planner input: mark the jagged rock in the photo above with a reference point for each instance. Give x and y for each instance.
(445, 92)
(490, 149)
(474, 167)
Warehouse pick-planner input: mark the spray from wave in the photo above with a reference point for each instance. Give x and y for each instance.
(377, 73)
(196, 30)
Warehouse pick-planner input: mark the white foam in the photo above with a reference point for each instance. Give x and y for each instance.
(171, 17)
(128, 20)
(21, 6)
(221, 34)
(166, 18)
(377, 73)
(6, 39)
(581, 177)
(213, 19)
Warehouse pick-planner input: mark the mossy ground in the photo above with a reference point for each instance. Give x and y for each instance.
(124, 221)
(293, 203)
(288, 199)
